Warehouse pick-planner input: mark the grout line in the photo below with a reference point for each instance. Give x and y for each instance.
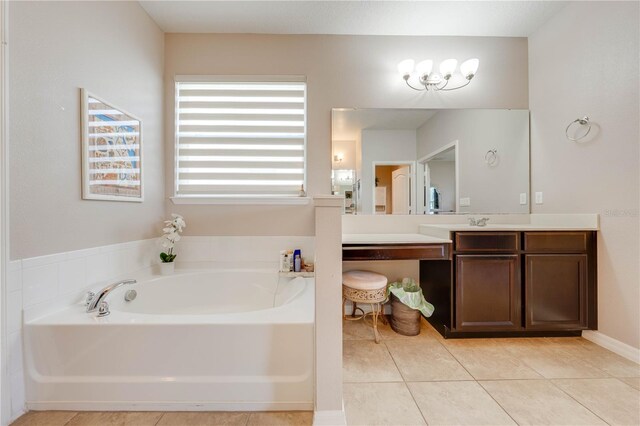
(404, 382)
(476, 381)
(496, 401)
(73, 417)
(160, 418)
(580, 403)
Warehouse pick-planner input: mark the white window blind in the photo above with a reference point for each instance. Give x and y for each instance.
(240, 139)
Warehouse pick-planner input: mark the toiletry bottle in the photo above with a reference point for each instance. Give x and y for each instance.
(297, 260)
(283, 254)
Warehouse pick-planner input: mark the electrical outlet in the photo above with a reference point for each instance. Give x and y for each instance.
(523, 198)
(539, 198)
(465, 202)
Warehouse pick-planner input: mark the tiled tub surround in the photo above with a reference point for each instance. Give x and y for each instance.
(46, 284)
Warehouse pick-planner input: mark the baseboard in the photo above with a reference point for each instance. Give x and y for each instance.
(615, 346)
(329, 418)
(168, 406)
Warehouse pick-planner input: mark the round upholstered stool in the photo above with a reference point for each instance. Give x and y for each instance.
(365, 287)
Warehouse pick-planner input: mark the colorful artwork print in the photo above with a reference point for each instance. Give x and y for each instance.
(112, 151)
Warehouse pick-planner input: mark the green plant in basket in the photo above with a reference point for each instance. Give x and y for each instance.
(410, 294)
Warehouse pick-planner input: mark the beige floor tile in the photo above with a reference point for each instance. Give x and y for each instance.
(359, 330)
(634, 382)
(615, 402)
(425, 360)
(115, 418)
(426, 332)
(204, 418)
(597, 356)
(380, 404)
(356, 330)
(549, 360)
(281, 418)
(44, 418)
(457, 403)
(485, 360)
(538, 402)
(367, 361)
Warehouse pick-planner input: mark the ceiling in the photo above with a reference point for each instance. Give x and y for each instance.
(418, 18)
(346, 124)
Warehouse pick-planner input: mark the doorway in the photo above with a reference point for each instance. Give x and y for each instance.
(440, 181)
(393, 191)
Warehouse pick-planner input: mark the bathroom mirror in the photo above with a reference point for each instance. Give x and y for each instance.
(111, 152)
(431, 161)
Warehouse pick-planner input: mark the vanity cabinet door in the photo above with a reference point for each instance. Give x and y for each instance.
(488, 293)
(556, 291)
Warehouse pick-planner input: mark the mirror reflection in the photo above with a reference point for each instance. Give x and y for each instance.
(430, 161)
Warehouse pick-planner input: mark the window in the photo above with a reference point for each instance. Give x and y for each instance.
(239, 139)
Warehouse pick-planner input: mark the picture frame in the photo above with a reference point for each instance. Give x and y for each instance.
(112, 146)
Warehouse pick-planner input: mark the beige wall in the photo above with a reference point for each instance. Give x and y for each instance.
(342, 71)
(114, 50)
(584, 61)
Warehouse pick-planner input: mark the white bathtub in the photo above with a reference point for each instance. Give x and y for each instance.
(197, 340)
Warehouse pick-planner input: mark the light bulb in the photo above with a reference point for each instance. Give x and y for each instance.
(469, 68)
(447, 68)
(405, 68)
(424, 68)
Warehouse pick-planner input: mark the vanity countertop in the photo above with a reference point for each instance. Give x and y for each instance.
(392, 239)
(443, 230)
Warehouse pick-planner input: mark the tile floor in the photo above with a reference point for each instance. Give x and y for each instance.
(69, 418)
(428, 380)
(540, 381)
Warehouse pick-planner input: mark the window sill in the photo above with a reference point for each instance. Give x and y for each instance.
(242, 200)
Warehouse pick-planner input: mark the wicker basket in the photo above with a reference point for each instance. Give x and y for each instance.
(404, 320)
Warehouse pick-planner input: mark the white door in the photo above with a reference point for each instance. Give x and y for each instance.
(400, 190)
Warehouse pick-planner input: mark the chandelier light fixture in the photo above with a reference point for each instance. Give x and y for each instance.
(431, 80)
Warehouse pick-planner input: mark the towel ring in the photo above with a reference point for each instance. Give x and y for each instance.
(491, 157)
(584, 121)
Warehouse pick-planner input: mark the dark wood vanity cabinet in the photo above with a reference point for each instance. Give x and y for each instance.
(560, 280)
(487, 292)
(514, 283)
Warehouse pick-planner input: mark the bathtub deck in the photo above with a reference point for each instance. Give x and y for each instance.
(152, 418)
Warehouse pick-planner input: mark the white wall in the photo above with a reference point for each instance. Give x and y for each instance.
(382, 146)
(341, 71)
(114, 50)
(494, 189)
(584, 61)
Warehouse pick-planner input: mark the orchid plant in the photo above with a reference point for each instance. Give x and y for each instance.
(171, 235)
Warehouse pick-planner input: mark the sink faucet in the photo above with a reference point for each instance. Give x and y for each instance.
(478, 222)
(98, 302)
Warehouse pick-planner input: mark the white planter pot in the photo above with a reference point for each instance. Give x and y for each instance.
(167, 268)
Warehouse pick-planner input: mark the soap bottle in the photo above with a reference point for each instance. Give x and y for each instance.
(297, 260)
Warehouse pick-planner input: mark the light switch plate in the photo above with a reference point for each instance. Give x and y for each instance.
(539, 198)
(465, 202)
(523, 198)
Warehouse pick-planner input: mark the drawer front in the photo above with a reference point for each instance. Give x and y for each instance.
(495, 242)
(557, 242)
(396, 252)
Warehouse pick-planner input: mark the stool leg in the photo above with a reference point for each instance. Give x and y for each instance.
(353, 312)
(383, 318)
(374, 310)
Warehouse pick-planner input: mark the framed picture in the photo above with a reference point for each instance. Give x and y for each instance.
(111, 151)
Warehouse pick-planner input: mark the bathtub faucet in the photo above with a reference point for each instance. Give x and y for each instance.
(98, 302)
